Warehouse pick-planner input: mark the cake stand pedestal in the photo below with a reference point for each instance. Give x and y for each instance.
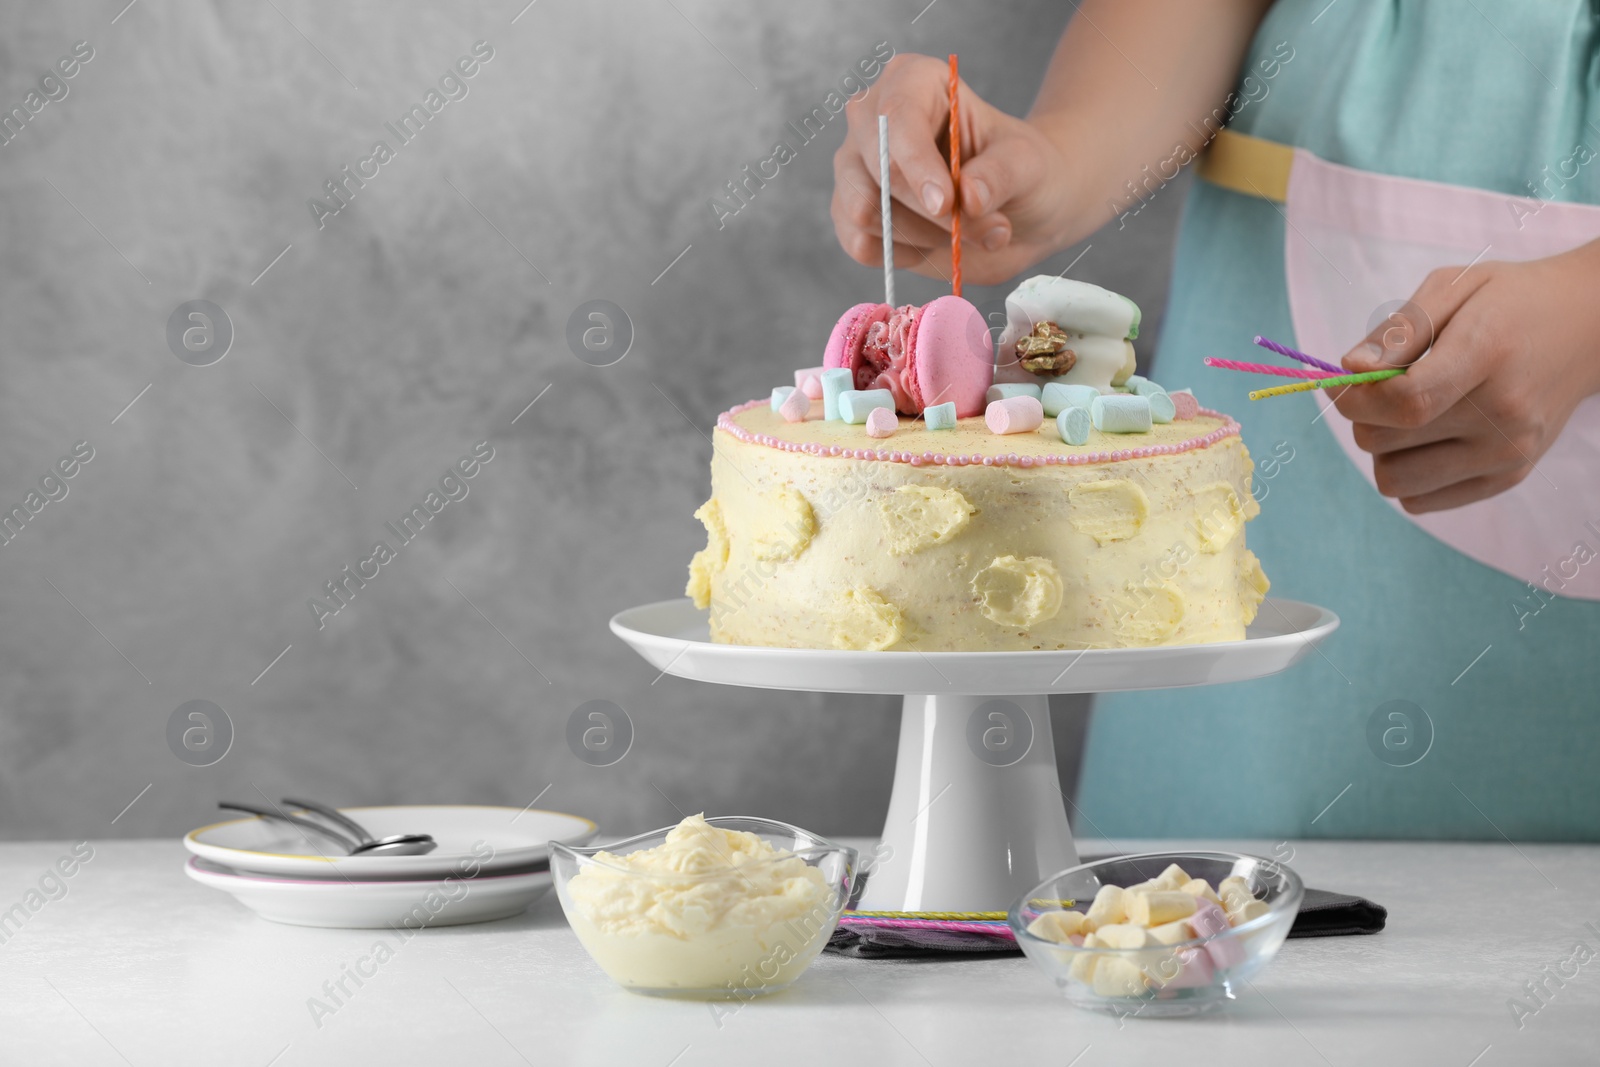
(976, 817)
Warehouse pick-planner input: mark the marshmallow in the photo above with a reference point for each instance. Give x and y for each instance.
(795, 407)
(812, 387)
(1016, 414)
(1199, 887)
(1059, 926)
(1163, 968)
(1159, 906)
(881, 422)
(1107, 907)
(1194, 969)
(1234, 892)
(1168, 880)
(1162, 407)
(1058, 396)
(940, 416)
(780, 394)
(1173, 877)
(1185, 403)
(1172, 933)
(809, 374)
(1073, 424)
(1140, 386)
(1121, 413)
(1208, 921)
(1251, 909)
(1122, 935)
(1010, 389)
(1118, 977)
(853, 404)
(835, 380)
(1083, 963)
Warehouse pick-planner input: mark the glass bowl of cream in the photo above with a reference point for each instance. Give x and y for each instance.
(724, 908)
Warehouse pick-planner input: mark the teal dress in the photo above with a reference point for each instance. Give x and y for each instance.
(1441, 708)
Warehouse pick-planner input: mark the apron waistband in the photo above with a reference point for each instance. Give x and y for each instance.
(1248, 165)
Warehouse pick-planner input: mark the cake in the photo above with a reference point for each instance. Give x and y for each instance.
(979, 524)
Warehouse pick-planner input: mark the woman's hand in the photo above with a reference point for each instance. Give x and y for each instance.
(1030, 188)
(1012, 179)
(1511, 349)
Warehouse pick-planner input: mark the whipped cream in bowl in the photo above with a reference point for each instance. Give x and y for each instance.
(729, 907)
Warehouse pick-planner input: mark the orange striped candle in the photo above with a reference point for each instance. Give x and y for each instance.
(955, 180)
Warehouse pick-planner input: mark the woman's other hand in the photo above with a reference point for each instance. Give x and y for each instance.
(1499, 355)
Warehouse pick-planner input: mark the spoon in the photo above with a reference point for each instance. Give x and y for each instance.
(398, 845)
(393, 845)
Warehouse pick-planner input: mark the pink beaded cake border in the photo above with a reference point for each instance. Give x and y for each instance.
(725, 422)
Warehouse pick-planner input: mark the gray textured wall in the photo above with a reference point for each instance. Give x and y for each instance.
(420, 319)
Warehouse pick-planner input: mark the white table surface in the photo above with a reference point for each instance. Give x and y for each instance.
(139, 965)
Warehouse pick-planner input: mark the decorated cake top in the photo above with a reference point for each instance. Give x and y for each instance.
(1058, 387)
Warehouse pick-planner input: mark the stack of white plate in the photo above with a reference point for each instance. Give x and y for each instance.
(491, 863)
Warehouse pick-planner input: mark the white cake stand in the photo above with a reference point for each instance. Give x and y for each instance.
(976, 817)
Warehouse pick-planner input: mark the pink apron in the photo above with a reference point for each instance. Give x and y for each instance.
(1356, 242)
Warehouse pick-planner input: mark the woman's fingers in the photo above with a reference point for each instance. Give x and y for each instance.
(920, 176)
(857, 215)
(1402, 338)
(1011, 208)
(1005, 167)
(913, 94)
(1462, 493)
(930, 263)
(1457, 359)
(1427, 471)
(1459, 421)
(858, 199)
(1513, 358)
(858, 221)
(919, 245)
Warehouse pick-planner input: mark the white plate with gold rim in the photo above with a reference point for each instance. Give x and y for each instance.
(472, 838)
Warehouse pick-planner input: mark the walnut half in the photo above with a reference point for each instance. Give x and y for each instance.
(1045, 351)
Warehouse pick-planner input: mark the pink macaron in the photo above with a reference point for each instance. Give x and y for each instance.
(954, 358)
(949, 354)
(850, 334)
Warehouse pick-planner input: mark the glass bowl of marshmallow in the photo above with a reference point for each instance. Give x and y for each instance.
(1158, 934)
(726, 908)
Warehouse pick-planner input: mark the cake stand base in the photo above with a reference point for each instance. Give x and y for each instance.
(977, 817)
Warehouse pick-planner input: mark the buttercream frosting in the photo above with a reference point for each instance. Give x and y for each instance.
(959, 539)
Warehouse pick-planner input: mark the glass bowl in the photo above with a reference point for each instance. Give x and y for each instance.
(718, 932)
(1184, 978)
